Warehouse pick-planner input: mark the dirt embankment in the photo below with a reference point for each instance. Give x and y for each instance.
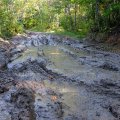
(107, 42)
(21, 99)
(5, 76)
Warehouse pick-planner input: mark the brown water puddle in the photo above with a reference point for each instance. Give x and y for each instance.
(59, 57)
(58, 100)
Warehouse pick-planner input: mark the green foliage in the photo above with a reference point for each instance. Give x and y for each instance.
(106, 15)
(9, 25)
(74, 16)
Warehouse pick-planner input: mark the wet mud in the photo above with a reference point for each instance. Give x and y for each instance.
(49, 77)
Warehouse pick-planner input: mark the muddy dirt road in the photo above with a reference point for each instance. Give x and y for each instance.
(49, 77)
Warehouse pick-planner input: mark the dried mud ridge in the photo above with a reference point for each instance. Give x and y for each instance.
(49, 77)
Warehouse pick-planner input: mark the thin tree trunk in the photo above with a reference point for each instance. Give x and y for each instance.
(97, 14)
(71, 20)
(75, 17)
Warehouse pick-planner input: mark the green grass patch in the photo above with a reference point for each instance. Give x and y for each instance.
(61, 31)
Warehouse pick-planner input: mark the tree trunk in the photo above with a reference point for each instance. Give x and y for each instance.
(75, 17)
(71, 20)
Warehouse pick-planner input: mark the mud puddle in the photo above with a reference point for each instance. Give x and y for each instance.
(58, 100)
(59, 58)
(63, 101)
(53, 83)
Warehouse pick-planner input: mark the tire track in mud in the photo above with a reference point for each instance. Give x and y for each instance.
(41, 94)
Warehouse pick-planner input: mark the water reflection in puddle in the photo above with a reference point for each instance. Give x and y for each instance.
(60, 58)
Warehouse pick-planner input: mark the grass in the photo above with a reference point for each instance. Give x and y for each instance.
(60, 31)
(70, 34)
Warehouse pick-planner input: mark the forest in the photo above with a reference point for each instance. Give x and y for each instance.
(59, 59)
(72, 17)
